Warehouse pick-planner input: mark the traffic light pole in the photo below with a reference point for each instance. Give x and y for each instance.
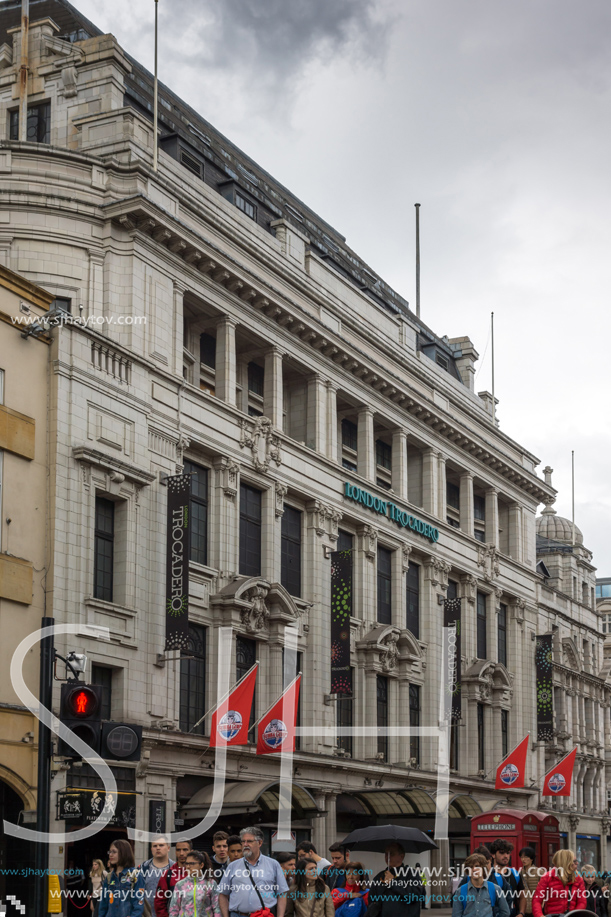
(43, 799)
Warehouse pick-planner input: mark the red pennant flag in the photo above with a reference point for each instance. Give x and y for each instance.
(277, 727)
(558, 780)
(231, 718)
(511, 772)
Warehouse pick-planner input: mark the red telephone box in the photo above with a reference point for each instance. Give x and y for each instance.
(520, 827)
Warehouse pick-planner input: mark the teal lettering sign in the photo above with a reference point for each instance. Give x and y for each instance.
(385, 508)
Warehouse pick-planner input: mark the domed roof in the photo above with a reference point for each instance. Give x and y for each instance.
(557, 528)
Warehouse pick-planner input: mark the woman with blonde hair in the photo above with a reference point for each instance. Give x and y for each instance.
(97, 874)
(561, 889)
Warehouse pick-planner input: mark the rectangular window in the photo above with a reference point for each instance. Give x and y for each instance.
(245, 206)
(349, 434)
(61, 304)
(479, 508)
(290, 551)
(452, 592)
(344, 541)
(193, 680)
(412, 621)
(84, 777)
(481, 739)
(39, 124)
(382, 714)
(256, 375)
(384, 586)
(246, 656)
(104, 540)
(198, 508)
(207, 350)
(504, 733)
(480, 535)
(383, 454)
(102, 677)
(250, 531)
(482, 627)
(453, 495)
(414, 720)
(454, 747)
(502, 635)
(345, 708)
(349, 466)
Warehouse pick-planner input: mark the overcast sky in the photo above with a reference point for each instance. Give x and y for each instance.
(495, 116)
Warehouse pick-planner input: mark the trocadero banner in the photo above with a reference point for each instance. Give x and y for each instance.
(177, 563)
(545, 688)
(452, 623)
(341, 610)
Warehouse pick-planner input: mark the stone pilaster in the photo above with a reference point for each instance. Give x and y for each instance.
(273, 391)
(466, 502)
(366, 462)
(492, 516)
(226, 360)
(515, 531)
(429, 481)
(332, 422)
(442, 495)
(399, 464)
(316, 434)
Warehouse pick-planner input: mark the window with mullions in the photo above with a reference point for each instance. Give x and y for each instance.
(414, 720)
(198, 509)
(256, 378)
(482, 627)
(39, 123)
(344, 714)
(502, 635)
(245, 206)
(245, 658)
(193, 680)
(250, 531)
(479, 508)
(382, 714)
(504, 733)
(344, 541)
(455, 746)
(452, 592)
(383, 454)
(453, 495)
(384, 586)
(207, 350)
(350, 434)
(290, 551)
(85, 778)
(481, 739)
(412, 621)
(102, 677)
(104, 542)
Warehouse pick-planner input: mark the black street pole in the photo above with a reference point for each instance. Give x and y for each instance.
(43, 799)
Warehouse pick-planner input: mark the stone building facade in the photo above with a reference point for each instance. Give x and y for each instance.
(225, 329)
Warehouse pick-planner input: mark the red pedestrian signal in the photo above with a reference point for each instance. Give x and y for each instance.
(83, 702)
(81, 711)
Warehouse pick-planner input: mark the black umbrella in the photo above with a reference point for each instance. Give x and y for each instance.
(378, 837)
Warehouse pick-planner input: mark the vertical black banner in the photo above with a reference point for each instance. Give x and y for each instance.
(452, 679)
(177, 564)
(157, 816)
(341, 610)
(545, 687)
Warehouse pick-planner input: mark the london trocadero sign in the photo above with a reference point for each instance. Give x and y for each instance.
(385, 508)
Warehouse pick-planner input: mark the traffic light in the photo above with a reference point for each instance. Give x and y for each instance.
(121, 742)
(81, 711)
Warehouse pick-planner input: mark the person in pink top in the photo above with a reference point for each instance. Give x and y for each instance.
(196, 895)
(560, 889)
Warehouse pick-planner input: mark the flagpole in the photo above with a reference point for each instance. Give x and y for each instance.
(156, 92)
(288, 688)
(223, 699)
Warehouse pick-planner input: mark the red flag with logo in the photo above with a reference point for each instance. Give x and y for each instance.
(231, 718)
(511, 772)
(558, 780)
(277, 727)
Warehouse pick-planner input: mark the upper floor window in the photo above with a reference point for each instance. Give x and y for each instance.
(104, 540)
(102, 677)
(256, 376)
(207, 350)
(383, 454)
(344, 541)
(39, 123)
(250, 530)
(504, 733)
(290, 550)
(193, 681)
(502, 635)
(414, 720)
(245, 206)
(384, 586)
(482, 627)
(453, 505)
(198, 506)
(382, 715)
(412, 621)
(349, 434)
(246, 656)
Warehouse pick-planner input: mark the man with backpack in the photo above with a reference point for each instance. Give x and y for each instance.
(479, 897)
(501, 855)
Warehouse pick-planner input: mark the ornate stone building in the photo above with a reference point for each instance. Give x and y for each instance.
(223, 328)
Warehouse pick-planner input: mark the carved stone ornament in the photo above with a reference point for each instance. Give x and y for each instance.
(228, 475)
(259, 436)
(485, 690)
(256, 617)
(436, 572)
(280, 492)
(69, 78)
(574, 821)
(181, 447)
(469, 587)
(369, 541)
(332, 517)
(316, 516)
(390, 657)
(406, 551)
(488, 560)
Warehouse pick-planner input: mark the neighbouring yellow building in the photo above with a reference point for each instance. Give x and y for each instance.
(24, 550)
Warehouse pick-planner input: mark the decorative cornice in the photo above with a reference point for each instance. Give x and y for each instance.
(113, 465)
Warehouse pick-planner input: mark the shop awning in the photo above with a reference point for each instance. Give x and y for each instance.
(412, 803)
(241, 798)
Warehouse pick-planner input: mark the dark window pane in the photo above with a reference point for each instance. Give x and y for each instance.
(384, 586)
(290, 551)
(414, 720)
(481, 739)
(502, 635)
(383, 454)
(61, 304)
(207, 350)
(481, 536)
(382, 713)
(479, 507)
(14, 125)
(255, 379)
(246, 656)
(454, 746)
(245, 206)
(102, 677)
(350, 466)
(413, 600)
(504, 733)
(84, 777)
(482, 627)
(250, 531)
(453, 495)
(38, 124)
(193, 680)
(349, 434)
(103, 549)
(198, 506)
(452, 589)
(345, 707)
(344, 541)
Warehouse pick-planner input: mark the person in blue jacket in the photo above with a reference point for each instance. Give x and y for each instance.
(123, 888)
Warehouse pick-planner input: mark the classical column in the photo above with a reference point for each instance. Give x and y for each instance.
(179, 334)
(225, 383)
(366, 452)
(398, 590)
(273, 394)
(332, 421)
(442, 508)
(316, 418)
(516, 653)
(331, 820)
(223, 549)
(402, 719)
(470, 754)
(274, 675)
(399, 464)
(492, 516)
(272, 512)
(429, 481)
(572, 832)
(466, 502)
(319, 827)
(515, 531)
